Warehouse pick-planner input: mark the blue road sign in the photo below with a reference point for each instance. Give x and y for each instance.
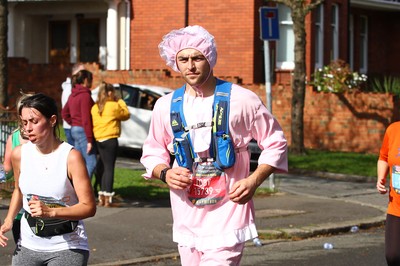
(269, 23)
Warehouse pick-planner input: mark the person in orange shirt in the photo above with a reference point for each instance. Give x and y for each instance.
(389, 163)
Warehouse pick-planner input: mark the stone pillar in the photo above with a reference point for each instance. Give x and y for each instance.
(112, 35)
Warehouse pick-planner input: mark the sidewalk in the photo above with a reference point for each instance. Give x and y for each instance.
(304, 207)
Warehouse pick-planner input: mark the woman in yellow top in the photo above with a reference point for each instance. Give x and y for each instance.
(107, 114)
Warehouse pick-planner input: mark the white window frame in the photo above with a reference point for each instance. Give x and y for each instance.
(335, 32)
(363, 45)
(319, 37)
(285, 45)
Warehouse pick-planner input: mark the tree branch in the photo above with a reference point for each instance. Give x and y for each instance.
(285, 2)
(313, 5)
(292, 4)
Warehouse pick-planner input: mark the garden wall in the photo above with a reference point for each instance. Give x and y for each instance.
(353, 122)
(338, 122)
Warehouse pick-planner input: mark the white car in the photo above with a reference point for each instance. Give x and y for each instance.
(140, 100)
(255, 152)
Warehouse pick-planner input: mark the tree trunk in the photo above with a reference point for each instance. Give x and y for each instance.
(299, 83)
(3, 53)
(299, 10)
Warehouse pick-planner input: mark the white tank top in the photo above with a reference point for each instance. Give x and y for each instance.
(45, 175)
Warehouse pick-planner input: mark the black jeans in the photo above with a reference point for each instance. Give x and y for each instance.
(108, 150)
(392, 240)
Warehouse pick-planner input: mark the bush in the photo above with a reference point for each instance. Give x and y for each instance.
(387, 84)
(337, 77)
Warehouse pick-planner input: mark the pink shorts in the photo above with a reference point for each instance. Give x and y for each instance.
(222, 256)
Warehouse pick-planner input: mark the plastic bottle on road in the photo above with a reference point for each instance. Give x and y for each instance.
(257, 242)
(354, 229)
(328, 246)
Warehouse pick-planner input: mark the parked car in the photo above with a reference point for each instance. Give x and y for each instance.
(140, 100)
(255, 152)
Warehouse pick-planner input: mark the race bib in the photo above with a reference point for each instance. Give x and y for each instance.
(396, 178)
(208, 185)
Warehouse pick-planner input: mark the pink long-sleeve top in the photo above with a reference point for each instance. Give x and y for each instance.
(226, 223)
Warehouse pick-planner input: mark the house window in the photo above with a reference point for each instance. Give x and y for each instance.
(285, 45)
(319, 37)
(351, 42)
(335, 32)
(363, 44)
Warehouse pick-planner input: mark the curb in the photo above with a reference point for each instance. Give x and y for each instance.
(138, 261)
(325, 229)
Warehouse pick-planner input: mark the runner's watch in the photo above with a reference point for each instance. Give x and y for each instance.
(163, 175)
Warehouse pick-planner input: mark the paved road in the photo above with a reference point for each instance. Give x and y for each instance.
(305, 206)
(365, 248)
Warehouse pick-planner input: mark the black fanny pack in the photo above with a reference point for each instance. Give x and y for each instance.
(46, 227)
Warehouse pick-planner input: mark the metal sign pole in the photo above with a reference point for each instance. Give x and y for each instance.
(267, 76)
(269, 25)
(268, 95)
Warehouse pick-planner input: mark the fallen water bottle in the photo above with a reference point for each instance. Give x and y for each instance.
(257, 242)
(328, 246)
(354, 229)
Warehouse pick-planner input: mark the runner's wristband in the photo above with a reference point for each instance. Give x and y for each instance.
(163, 175)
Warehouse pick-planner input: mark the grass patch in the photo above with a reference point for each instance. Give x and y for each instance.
(264, 192)
(130, 184)
(273, 236)
(335, 162)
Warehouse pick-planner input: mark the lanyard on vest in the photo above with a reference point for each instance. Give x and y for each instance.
(221, 148)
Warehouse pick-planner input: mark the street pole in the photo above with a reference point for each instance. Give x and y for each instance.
(268, 94)
(269, 25)
(267, 76)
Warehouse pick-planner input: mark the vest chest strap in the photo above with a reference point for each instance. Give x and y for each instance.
(199, 125)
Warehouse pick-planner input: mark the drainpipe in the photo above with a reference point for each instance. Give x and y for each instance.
(127, 34)
(186, 13)
(348, 32)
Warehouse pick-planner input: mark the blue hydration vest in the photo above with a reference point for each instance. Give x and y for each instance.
(222, 152)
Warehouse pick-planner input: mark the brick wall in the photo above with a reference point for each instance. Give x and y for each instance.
(340, 122)
(353, 122)
(240, 33)
(34, 78)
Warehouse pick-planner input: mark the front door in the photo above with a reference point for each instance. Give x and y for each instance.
(59, 42)
(89, 40)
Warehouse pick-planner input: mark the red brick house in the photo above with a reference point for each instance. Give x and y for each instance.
(118, 39)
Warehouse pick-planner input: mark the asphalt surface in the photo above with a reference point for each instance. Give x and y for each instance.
(140, 233)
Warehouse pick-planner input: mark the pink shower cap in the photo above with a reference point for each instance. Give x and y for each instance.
(195, 37)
